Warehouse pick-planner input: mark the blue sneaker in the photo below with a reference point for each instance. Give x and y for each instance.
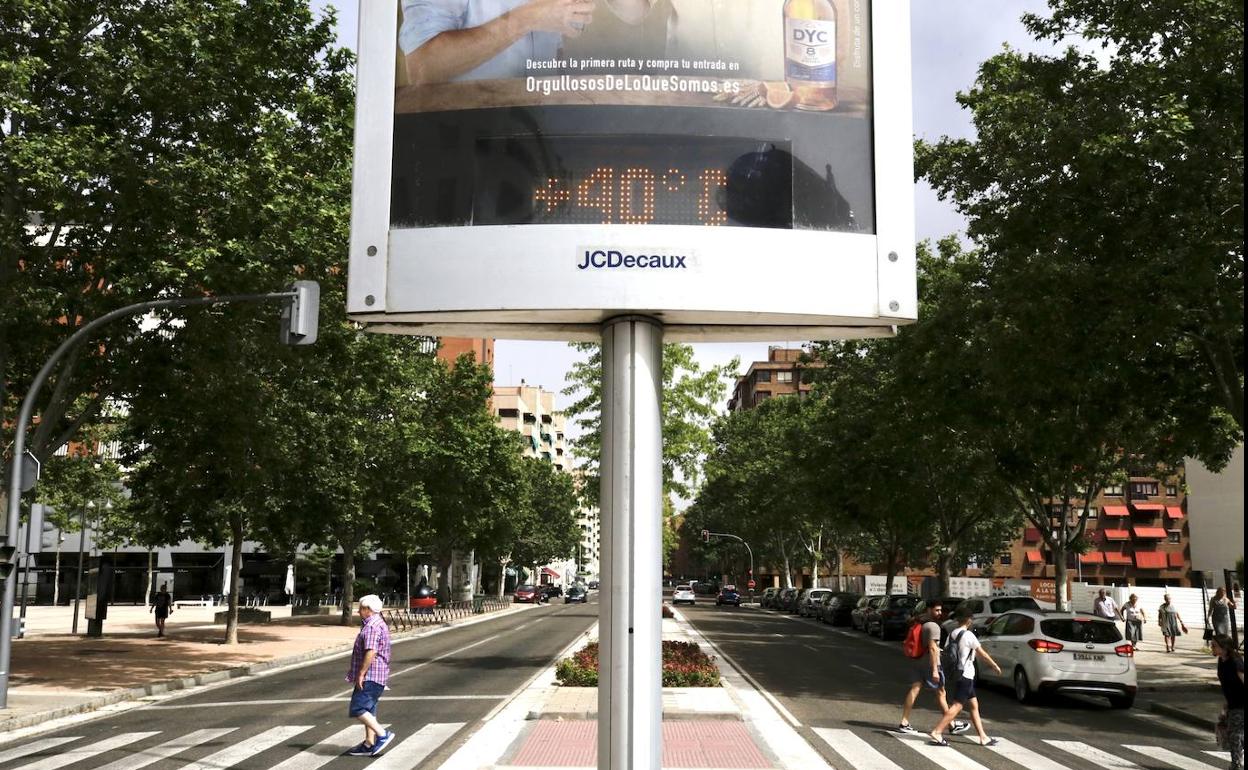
(382, 742)
(360, 750)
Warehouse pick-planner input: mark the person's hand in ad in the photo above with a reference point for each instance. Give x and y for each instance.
(566, 17)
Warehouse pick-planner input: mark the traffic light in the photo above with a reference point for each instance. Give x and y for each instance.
(706, 536)
(301, 314)
(8, 560)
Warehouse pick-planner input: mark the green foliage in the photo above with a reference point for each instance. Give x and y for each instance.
(684, 665)
(71, 483)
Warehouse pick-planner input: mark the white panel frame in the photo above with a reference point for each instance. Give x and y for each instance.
(522, 281)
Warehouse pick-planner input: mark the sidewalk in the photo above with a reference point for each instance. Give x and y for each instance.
(1182, 684)
(55, 674)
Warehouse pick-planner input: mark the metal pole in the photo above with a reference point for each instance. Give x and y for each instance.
(82, 539)
(19, 441)
(630, 709)
(21, 628)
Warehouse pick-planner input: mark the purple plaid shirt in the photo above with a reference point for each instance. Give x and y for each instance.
(374, 635)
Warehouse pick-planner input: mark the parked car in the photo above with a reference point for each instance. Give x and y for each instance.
(593, 585)
(683, 593)
(769, 595)
(810, 601)
(552, 589)
(1042, 651)
(890, 617)
(784, 599)
(576, 594)
(528, 594)
(858, 615)
(985, 609)
(947, 603)
(834, 608)
(728, 595)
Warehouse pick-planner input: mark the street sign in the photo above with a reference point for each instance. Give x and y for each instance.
(750, 584)
(30, 471)
(748, 174)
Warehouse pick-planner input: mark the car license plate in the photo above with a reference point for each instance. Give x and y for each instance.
(1089, 656)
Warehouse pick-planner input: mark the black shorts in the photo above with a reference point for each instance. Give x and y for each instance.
(966, 690)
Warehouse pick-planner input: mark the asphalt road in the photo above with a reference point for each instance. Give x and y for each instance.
(440, 689)
(844, 688)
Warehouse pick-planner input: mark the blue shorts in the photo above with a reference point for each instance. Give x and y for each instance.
(922, 672)
(966, 690)
(364, 701)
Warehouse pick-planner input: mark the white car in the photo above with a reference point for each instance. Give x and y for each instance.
(1045, 652)
(683, 593)
(985, 609)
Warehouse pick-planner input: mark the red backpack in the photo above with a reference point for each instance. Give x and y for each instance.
(913, 645)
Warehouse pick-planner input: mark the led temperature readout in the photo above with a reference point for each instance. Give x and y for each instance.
(633, 196)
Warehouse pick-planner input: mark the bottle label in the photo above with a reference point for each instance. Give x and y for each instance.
(810, 50)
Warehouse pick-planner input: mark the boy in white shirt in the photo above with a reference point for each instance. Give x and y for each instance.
(967, 646)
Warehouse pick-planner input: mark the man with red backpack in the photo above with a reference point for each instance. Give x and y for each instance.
(922, 648)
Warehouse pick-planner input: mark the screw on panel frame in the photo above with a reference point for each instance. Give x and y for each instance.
(370, 300)
(894, 306)
(892, 256)
(372, 251)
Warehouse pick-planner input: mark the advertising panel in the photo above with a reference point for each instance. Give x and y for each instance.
(530, 168)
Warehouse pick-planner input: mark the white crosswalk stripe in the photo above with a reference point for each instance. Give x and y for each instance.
(248, 748)
(90, 750)
(34, 747)
(1024, 756)
(324, 752)
(1094, 755)
(411, 751)
(947, 757)
(1225, 756)
(154, 754)
(1171, 757)
(856, 751)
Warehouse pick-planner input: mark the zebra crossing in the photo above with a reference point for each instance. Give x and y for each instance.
(874, 750)
(225, 748)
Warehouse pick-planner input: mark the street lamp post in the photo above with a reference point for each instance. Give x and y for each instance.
(82, 539)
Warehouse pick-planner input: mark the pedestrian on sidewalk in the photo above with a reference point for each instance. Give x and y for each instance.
(1169, 622)
(162, 607)
(368, 674)
(1231, 677)
(925, 669)
(1104, 606)
(1220, 608)
(1133, 615)
(963, 647)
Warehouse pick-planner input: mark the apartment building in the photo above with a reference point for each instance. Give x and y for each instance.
(530, 411)
(784, 373)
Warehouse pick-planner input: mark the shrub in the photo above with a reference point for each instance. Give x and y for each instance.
(684, 665)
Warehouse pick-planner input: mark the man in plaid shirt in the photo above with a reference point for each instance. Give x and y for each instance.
(370, 669)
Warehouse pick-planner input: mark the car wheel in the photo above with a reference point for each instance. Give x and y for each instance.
(1022, 688)
(1122, 701)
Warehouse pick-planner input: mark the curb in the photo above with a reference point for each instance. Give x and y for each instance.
(212, 677)
(1182, 716)
(668, 716)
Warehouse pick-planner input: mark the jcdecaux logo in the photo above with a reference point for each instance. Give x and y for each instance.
(611, 259)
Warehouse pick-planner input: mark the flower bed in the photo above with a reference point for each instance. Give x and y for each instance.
(684, 665)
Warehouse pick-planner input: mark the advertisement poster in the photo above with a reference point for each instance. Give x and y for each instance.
(751, 113)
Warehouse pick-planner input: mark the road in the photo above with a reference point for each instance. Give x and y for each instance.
(843, 691)
(296, 719)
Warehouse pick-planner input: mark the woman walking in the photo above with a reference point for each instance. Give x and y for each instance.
(1133, 614)
(1220, 608)
(1169, 622)
(1231, 677)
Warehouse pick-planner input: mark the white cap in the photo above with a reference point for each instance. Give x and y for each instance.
(372, 602)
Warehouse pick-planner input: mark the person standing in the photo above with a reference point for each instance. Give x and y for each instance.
(1231, 677)
(966, 647)
(162, 607)
(1220, 608)
(1104, 606)
(926, 670)
(1133, 615)
(368, 674)
(1169, 622)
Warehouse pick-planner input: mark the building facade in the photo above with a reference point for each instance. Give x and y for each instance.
(530, 411)
(784, 373)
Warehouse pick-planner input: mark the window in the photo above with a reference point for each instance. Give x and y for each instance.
(1172, 490)
(784, 376)
(1174, 536)
(512, 413)
(530, 418)
(1113, 490)
(1019, 625)
(1091, 511)
(762, 376)
(1142, 489)
(761, 397)
(1006, 559)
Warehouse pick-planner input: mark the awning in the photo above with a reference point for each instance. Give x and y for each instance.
(1150, 560)
(1115, 510)
(1034, 557)
(1095, 557)
(1176, 559)
(548, 572)
(1149, 533)
(1115, 534)
(1120, 559)
(1031, 535)
(1148, 506)
(1174, 512)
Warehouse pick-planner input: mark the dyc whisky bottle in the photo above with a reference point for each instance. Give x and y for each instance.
(810, 52)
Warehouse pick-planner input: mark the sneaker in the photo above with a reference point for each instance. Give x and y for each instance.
(360, 750)
(382, 742)
(907, 729)
(959, 726)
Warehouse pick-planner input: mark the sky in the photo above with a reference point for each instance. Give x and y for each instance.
(949, 39)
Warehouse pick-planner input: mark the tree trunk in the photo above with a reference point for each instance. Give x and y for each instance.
(56, 573)
(236, 566)
(788, 570)
(444, 582)
(348, 583)
(502, 576)
(151, 576)
(890, 567)
(945, 565)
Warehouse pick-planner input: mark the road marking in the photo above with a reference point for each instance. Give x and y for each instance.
(332, 699)
(1025, 757)
(154, 754)
(1170, 757)
(1225, 756)
(857, 752)
(410, 752)
(34, 747)
(860, 668)
(231, 756)
(946, 756)
(1171, 724)
(410, 669)
(1094, 755)
(90, 750)
(322, 753)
